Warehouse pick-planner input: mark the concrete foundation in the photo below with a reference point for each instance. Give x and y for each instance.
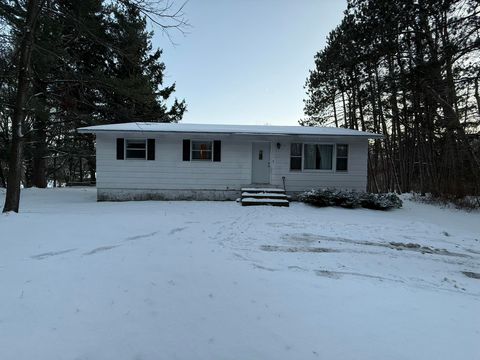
(147, 194)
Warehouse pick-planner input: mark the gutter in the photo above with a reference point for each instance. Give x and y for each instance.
(88, 131)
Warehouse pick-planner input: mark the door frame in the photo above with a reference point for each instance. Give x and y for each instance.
(269, 164)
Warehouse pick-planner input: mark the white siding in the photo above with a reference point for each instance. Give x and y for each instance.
(169, 172)
(355, 178)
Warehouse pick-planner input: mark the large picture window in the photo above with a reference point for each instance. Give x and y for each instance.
(136, 149)
(202, 150)
(318, 157)
(342, 157)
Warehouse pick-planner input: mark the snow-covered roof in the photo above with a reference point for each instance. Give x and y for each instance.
(226, 129)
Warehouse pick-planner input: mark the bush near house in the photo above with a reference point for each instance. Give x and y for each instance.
(351, 199)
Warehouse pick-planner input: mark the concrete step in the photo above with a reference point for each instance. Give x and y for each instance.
(263, 190)
(264, 195)
(251, 201)
(252, 196)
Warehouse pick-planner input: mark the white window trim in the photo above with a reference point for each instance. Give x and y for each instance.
(296, 156)
(135, 139)
(334, 158)
(191, 150)
(343, 157)
(332, 170)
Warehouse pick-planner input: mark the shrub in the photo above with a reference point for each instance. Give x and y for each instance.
(381, 201)
(351, 199)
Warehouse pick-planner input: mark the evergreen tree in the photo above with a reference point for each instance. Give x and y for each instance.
(405, 69)
(88, 62)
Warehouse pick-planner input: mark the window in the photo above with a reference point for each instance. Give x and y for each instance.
(342, 157)
(318, 157)
(202, 150)
(296, 157)
(136, 149)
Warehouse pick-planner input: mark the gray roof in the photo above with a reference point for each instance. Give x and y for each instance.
(227, 129)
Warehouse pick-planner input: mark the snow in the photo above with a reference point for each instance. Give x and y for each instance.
(215, 280)
(227, 129)
(263, 190)
(264, 194)
(254, 200)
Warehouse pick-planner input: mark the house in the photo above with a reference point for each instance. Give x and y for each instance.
(169, 161)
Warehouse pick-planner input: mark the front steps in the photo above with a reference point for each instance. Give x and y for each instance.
(264, 196)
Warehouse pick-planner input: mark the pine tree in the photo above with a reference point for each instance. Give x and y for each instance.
(87, 62)
(407, 69)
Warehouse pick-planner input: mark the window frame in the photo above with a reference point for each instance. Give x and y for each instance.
(334, 157)
(296, 156)
(125, 148)
(342, 157)
(334, 147)
(203, 141)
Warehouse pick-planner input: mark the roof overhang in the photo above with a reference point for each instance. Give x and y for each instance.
(216, 129)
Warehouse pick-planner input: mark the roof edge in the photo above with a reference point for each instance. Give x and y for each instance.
(90, 130)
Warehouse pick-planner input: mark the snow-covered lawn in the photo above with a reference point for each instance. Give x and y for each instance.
(215, 280)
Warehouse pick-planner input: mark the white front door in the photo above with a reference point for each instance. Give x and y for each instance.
(261, 163)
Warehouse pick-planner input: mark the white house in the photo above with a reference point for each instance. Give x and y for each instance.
(140, 161)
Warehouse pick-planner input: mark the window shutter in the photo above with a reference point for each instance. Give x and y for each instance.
(186, 150)
(151, 149)
(217, 150)
(120, 148)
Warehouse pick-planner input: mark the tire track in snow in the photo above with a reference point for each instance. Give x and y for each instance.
(50, 254)
(141, 236)
(100, 249)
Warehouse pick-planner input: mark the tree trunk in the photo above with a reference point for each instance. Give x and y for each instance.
(12, 199)
(344, 111)
(55, 170)
(334, 109)
(3, 182)
(40, 150)
(80, 168)
(477, 94)
(39, 175)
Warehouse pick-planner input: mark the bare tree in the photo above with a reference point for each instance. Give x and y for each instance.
(12, 200)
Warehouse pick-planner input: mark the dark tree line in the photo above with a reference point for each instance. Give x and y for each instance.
(66, 64)
(411, 70)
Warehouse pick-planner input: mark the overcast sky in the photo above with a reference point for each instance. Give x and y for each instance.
(246, 61)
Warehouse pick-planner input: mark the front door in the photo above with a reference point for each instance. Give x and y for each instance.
(261, 163)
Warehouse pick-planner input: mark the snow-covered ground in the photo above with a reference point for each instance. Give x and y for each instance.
(215, 280)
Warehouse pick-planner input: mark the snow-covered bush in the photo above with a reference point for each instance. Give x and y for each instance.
(351, 199)
(381, 201)
(331, 197)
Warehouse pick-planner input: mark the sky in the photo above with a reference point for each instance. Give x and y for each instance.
(246, 61)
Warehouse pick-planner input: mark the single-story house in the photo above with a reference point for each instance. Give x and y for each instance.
(169, 161)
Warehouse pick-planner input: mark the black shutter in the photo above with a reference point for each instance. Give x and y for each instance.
(151, 149)
(217, 150)
(120, 149)
(186, 150)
